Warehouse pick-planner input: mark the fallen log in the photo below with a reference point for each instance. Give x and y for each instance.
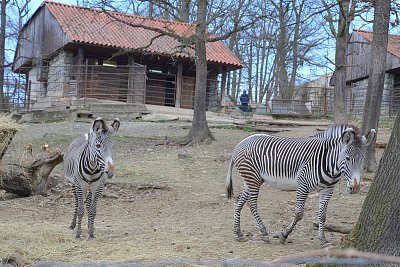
(258, 128)
(31, 175)
(343, 229)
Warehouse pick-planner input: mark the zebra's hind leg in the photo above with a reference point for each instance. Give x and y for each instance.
(241, 200)
(298, 215)
(253, 197)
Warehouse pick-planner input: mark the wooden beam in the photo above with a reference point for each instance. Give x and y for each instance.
(130, 92)
(179, 79)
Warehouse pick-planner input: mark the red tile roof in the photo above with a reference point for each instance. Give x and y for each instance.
(393, 41)
(91, 26)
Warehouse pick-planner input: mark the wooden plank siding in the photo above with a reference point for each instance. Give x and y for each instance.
(358, 58)
(358, 52)
(40, 37)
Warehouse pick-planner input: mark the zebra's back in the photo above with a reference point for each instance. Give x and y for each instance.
(277, 160)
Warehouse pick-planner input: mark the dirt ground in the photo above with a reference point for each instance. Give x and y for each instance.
(165, 203)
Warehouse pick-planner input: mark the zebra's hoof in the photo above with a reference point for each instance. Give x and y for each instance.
(265, 238)
(91, 237)
(241, 238)
(326, 245)
(282, 238)
(78, 237)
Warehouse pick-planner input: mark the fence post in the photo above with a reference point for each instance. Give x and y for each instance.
(86, 74)
(29, 95)
(223, 87)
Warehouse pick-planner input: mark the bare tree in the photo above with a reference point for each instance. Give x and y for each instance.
(3, 20)
(199, 131)
(347, 10)
(376, 77)
(281, 50)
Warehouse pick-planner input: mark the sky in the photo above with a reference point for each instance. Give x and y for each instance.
(34, 4)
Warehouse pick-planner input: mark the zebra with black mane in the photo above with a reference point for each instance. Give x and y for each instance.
(87, 165)
(303, 165)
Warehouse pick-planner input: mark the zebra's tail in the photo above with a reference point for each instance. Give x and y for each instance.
(229, 186)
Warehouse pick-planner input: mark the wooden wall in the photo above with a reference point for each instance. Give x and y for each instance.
(358, 58)
(40, 37)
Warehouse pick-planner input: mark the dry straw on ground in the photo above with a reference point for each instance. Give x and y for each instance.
(8, 129)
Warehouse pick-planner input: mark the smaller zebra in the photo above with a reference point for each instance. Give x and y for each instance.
(87, 165)
(303, 165)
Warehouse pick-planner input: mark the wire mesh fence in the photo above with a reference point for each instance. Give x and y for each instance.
(314, 101)
(59, 84)
(47, 86)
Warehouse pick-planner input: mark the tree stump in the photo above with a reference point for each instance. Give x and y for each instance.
(30, 176)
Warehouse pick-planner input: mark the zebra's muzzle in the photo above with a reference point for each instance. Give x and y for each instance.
(354, 188)
(110, 170)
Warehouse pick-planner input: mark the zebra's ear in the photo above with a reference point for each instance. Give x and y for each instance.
(115, 126)
(348, 136)
(366, 140)
(98, 125)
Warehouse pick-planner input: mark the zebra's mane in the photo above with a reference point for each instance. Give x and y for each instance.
(336, 131)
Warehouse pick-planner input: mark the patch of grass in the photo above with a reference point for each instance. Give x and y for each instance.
(54, 140)
(248, 129)
(329, 117)
(368, 176)
(321, 265)
(386, 123)
(223, 126)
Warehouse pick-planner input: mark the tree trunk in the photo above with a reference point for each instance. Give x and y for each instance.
(150, 13)
(3, 17)
(184, 12)
(200, 132)
(281, 53)
(295, 48)
(340, 96)
(378, 229)
(376, 77)
(30, 178)
(234, 85)
(250, 73)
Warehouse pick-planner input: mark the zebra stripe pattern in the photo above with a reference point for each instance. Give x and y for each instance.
(303, 165)
(87, 165)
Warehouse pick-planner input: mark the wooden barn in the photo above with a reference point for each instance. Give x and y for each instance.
(358, 61)
(69, 53)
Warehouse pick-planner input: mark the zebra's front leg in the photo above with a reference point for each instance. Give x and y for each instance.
(92, 209)
(89, 204)
(298, 215)
(324, 197)
(80, 211)
(241, 200)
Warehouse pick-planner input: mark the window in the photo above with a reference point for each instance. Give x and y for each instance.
(92, 61)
